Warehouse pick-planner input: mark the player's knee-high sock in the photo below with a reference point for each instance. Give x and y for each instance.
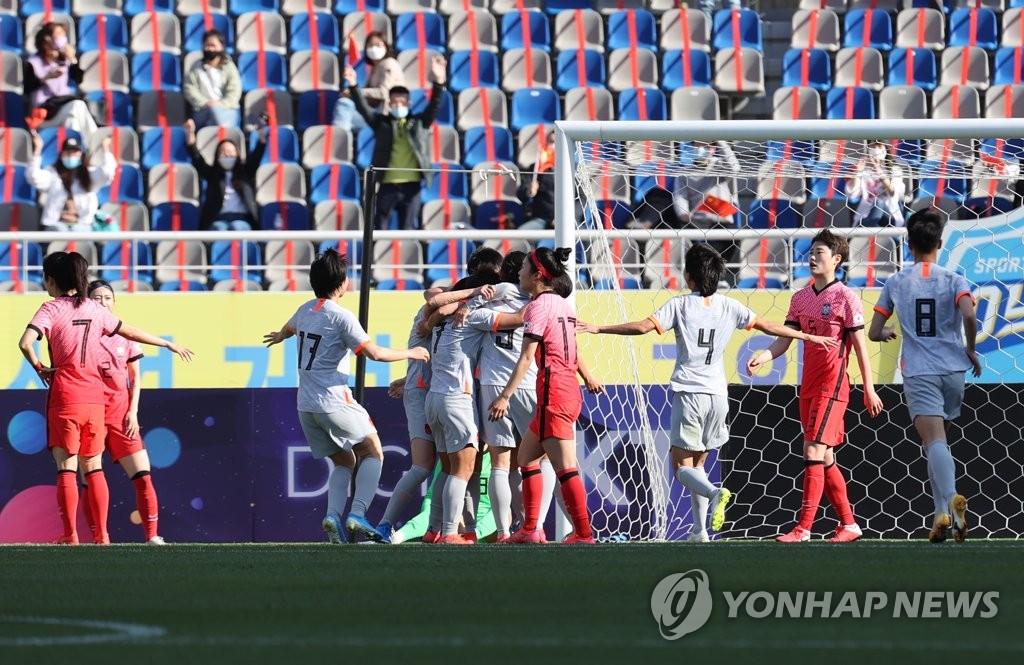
(404, 491)
(940, 507)
(501, 500)
(696, 480)
(940, 460)
(367, 482)
(550, 487)
(83, 493)
(145, 500)
(99, 503)
(67, 501)
(454, 497)
(515, 488)
(437, 501)
(699, 504)
(472, 502)
(814, 484)
(337, 489)
(533, 488)
(575, 497)
(835, 490)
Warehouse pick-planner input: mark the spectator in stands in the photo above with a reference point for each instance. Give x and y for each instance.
(383, 73)
(71, 184)
(213, 87)
(51, 79)
(880, 188)
(704, 196)
(537, 191)
(709, 7)
(230, 202)
(402, 147)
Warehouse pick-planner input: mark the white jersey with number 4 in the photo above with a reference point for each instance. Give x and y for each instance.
(325, 335)
(703, 327)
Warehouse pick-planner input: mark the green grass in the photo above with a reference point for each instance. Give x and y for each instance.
(493, 604)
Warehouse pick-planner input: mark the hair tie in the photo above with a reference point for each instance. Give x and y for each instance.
(535, 260)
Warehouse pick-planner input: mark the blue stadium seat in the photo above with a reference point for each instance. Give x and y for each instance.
(445, 115)
(684, 69)
(913, 66)
(1009, 149)
(945, 5)
(487, 144)
(29, 7)
(973, 27)
(552, 7)
(238, 7)
(448, 183)
(15, 187)
(325, 28)
(12, 37)
(732, 25)
(642, 104)
(96, 31)
(342, 7)
(164, 74)
(53, 140)
(570, 74)
(116, 108)
(610, 214)
(133, 7)
(446, 259)
(174, 216)
(164, 145)
(284, 216)
(1009, 66)
(12, 110)
(226, 259)
(126, 187)
(16, 257)
(282, 145)
(498, 215)
(196, 26)
(801, 151)
(824, 181)
(634, 27)
(517, 26)
(182, 285)
(988, 206)
(411, 25)
(867, 27)
(849, 103)
(531, 106)
(263, 69)
(126, 260)
(772, 214)
(365, 143)
(810, 67)
(331, 182)
(316, 107)
(942, 180)
(463, 74)
(649, 176)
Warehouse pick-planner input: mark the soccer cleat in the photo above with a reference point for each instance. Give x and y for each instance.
(846, 533)
(524, 537)
(940, 525)
(797, 535)
(359, 524)
(67, 540)
(156, 540)
(384, 532)
(101, 540)
(573, 539)
(502, 537)
(332, 527)
(958, 511)
(431, 537)
(469, 536)
(699, 537)
(454, 539)
(719, 500)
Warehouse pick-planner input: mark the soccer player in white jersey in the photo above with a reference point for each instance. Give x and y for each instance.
(703, 322)
(334, 424)
(935, 309)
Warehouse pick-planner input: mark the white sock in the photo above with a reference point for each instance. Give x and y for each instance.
(501, 500)
(700, 512)
(337, 489)
(696, 480)
(437, 501)
(406, 488)
(454, 494)
(472, 502)
(515, 488)
(550, 482)
(367, 481)
(940, 460)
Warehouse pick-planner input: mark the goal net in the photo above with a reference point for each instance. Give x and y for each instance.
(633, 196)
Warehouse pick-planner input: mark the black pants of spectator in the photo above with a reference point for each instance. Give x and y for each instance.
(403, 197)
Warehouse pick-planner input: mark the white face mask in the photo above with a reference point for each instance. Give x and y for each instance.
(703, 154)
(227, 163)
(877, 153)
(376, 52)
(400, 112)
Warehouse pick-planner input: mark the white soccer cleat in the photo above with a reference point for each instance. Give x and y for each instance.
(156, 540)
(699, 537)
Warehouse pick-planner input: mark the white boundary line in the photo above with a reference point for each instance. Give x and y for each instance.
(117, 632)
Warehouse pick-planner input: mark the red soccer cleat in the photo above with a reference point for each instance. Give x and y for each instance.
(502, 537)
(67, 540)
(454, 539)
(430, 537)
(524, 537)
(797, 535)
(846, 534)
(573, 539)
(469, 536)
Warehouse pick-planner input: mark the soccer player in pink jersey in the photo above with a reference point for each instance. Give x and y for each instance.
(827, 308)
(73, 325)
(549, 333)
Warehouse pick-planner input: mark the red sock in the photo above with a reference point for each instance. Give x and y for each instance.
(575, 498)
(533, 488)
(145, 499)
(835, 490)
(99, 502)
(814, 483)
(67, 501)
(83, 499)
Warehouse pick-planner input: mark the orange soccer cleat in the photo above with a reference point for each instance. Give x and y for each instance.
(524, 537)
(797, 535)
(454, 539)
(846, 533)
(573, 539)
(430, 537)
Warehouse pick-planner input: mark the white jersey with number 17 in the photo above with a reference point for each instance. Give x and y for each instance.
(325, 335)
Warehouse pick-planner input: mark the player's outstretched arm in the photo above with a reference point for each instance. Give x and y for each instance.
(779, 330)
(632, 328)
(966, 306)
(449, 297)
(499, 407)
(142, 337)
(427, 325)
(871, 400)
(272, 338)
(385, 355)
(777, 348)
(592, 383)
(878, 331)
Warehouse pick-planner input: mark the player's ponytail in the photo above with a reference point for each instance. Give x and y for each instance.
(70, 272)
(563, 254)
(550, 265)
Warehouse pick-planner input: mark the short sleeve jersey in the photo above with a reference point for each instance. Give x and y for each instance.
(926, 300)
(501, 349)
(417, 374)
(834, 312)
(703, 327)
(326, 334)
(453, 358)
(550, 320)
(73, 334)
(117, 353)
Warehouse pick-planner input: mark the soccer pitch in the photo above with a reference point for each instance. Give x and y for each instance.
(426, 604)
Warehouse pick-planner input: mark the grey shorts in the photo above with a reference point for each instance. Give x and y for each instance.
(521, 409)
(415, 403)
(452, 419)
(699, 421)
(939, 395)
(329, 433)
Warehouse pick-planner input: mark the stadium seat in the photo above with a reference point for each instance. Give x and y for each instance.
(416, 66)
(534, 105)
(180, 265)
(284, 216)
(849, 103)
(942, 180)
(902, 101)
(739, 71)
(807, 68)
(11, 73)
(528, 147)
(129, 216)
(184, 8)
(773, 214)
(589, 104)
(314, 31)
(397, 265)
(695, 104)
(736, 28)
(444, 144)
(482, 106)
(164, 145)
(235, 261)
(782, 180)
(642, 104)
(196, 25)
(472, 31)
(796, 103)
(399, 7)
(580, 68)
(499, 215)
(287, 264)
(449, 182)
(262, 70)
(15, 146)
(282, 145)
(12, 109)
(160, 108)
(326, 144)
(967, 65)
(127, 260)
(664, 260)
(859, 68)
(420, 31)
(1012, 32)
(17, 260)
(450, 7)
(955, 101)
(472, 69)
(331, 182)
(313, 70)
(345, 7)
(103, 32)
(175, 216)
(493, 181)
(11, 37)
(651, 175)
(872, 261)
(155, 71)
(446, 261)
(419, 99)
(525, 68)
(85, 248)
(616, 265)
(486, 144)
(821, 213)
(126, 186)
(815, 29)
(920, 28)
(105, 71)
(1009, 65)
(764, 264)
(133, 7)
(973, 27)
(632, 29)
(867, 28)
(365, 143)
(685, 69)
(913, 66)
(339, 215)
(316, 107)
(632, 68)
(991, 192)
(502, 7)
(238, 8)
(115, 107)
(359, 24)
(124, 144)
(155, 31)
(29, 7)
(580, 29)
(280, 183)
(1005, 101)
(685, 30)
(445, 215)
(826, 180)
(525, 29)
(19, 217)
(555, 7)
(173, 182)
(257, 31)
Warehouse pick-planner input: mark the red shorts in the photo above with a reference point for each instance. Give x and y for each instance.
(77, 428)
(823, 420)
(556, 417)
(120, 444)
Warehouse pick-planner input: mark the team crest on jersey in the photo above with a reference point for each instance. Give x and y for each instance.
(826, 309)
(120, 350)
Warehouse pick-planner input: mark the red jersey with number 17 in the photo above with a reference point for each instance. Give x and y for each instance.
(834, 312)
(73, 334)
(549, 319)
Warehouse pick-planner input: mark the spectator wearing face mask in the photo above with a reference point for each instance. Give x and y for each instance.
(70, 184)
(51, 79)
(230, 200)
(213, 87)
(402, 149)
(704, 196)
(880, 188)
(383, 73)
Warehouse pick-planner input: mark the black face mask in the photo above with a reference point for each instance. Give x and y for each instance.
(212, 55)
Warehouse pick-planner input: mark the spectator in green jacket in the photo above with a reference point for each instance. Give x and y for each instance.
(213, 87)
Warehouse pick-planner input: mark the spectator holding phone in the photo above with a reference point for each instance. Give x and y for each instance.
(879, 187)
(230, 201)
(51, 79)
(213, 87)
(70, 184)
